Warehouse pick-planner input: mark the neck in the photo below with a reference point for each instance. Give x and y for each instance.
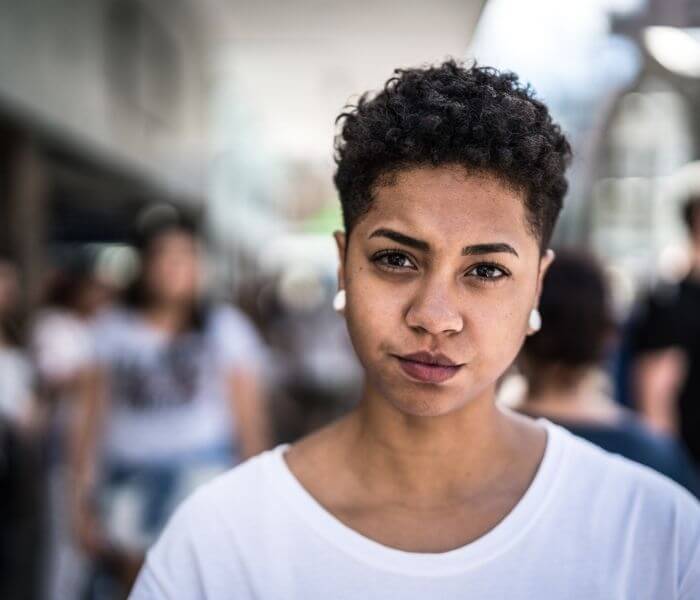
(170, 317)
(582, 398)
(425, 458)
(695, 261)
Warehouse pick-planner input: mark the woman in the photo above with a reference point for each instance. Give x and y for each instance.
(566, 383)
(62, 347)
(21, 477)
(173, 400)
(451, 179)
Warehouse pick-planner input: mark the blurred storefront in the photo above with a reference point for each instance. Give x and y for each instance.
(623, 79)
(103, 109)
(648, 142)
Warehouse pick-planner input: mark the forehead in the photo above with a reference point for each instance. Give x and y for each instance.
(173, 238)
(450, 204)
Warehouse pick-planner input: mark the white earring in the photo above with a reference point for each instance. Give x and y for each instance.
(535, 320)
(339, 301)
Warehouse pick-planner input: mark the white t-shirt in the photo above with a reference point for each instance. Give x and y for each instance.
(16, 386)
(169, 398)
(592, 526)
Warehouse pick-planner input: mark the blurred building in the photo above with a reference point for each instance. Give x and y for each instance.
(103, 108)
(285, 70)
(648, 140)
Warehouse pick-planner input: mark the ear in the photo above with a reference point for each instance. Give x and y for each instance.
(341, 243)
(545, 262)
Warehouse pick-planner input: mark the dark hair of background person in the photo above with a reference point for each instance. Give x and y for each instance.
(576, 313)
(691, 213)
(13, 319)
(70, 277)
(161, 221)
(452, 114)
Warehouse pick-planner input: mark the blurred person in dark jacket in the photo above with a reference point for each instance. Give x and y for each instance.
(563, 367)
(20, 476)
(62, 351)
(664, 342)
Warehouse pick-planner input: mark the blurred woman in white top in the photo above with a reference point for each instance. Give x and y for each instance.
(174, 398)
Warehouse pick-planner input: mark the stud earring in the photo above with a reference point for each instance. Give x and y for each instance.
(339, 301)
(535, 320)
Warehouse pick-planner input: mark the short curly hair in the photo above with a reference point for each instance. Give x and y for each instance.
(452, 114)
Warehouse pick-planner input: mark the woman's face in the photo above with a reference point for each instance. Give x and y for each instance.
(172, 271)
(443, 264)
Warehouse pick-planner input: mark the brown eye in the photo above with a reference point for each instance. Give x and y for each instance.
(393, 260)
(487, 272)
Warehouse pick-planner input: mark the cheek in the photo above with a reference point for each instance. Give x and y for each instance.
(370, 309)
(497, 330)
(374, 313)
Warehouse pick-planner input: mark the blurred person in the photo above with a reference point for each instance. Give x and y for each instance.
(17, 399)
(20, 510)
(62, 350)
(61, 335)
(20, 477)
(664, 342)
(451, 179)
(566, 382)
(175, 397)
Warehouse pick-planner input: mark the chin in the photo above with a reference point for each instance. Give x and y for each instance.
(432, 401)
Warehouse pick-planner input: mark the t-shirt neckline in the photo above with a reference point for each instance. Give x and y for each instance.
(498, 540)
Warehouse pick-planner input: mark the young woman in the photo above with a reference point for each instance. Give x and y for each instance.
(173, 400)
(451, 179)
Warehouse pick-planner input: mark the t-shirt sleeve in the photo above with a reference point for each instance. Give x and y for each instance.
(689, 548)
(237, 340)
(61, 347)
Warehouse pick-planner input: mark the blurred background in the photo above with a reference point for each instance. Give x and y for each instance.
(166, 167)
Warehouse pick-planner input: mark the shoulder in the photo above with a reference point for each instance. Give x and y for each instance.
(627, 509)
(234, 335)
(619, 492)
(113, 319)
(229, 316)
(223, 506)
(596, 465)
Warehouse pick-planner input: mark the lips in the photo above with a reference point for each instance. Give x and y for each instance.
(427, 367)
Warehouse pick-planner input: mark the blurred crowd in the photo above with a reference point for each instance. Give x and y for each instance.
(117, 402)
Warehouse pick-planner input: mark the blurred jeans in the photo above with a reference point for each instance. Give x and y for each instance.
(135, 502)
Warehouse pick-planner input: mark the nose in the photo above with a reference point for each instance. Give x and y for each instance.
(435, 310)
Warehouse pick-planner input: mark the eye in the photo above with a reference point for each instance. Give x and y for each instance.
(487, 272)
(393, 260)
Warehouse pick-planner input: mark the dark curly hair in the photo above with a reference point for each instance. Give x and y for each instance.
(475, 117)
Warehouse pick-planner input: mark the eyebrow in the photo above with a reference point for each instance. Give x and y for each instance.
(473, 250)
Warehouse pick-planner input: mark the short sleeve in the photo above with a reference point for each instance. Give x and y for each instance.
(17, 385)
(62, 346)
(690, 586)
(689, 547)
(237, 341)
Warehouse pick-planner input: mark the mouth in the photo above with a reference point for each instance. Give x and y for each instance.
(428, 368)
